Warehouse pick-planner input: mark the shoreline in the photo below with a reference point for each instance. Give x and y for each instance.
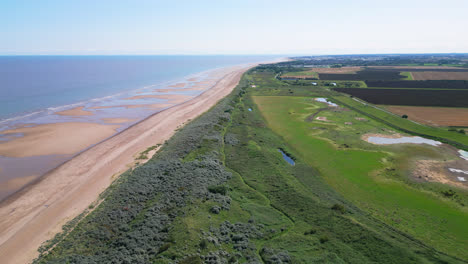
(36, 212)
(93, 115)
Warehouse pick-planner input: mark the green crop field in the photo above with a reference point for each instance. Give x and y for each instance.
(310, 74)
(408, 75)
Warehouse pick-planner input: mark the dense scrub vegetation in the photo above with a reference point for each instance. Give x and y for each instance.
(220, 192)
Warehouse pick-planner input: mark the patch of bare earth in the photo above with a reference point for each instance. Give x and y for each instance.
(413, 67)
(435, 75)
(336, 70)
(433, 116)
(322, 118)
(437, 171)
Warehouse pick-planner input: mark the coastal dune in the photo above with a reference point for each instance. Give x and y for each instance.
(37, 213)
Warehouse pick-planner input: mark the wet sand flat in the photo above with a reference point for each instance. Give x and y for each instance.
(178, 85)
(172, 98)
(77, 111)
(55, 139)
(117, 120)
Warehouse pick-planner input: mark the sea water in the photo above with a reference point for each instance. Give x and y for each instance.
(30, 84)
(34, 88)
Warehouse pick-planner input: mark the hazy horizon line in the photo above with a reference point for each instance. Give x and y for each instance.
(235, 54)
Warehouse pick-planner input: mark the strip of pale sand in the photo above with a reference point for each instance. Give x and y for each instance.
(117, 120)
(178, 85)
(37, 213)
(152, 106)
(77, 111)
(54, 139)
(172, 98)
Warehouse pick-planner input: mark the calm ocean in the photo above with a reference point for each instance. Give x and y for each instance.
(32, 83)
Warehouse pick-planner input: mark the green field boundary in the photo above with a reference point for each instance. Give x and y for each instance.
(400, 128)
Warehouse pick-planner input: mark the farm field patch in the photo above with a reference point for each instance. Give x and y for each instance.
(336, 70)
(366, 74)
(418, 68)
(436, 84)
(434, 116)
(438, 75)
(410, 97)
(301, 74)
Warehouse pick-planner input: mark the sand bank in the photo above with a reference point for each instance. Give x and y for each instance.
(117, 120)
(36, 213)
(178, 85)
(77, 111)
(55, 139)
(172, 98)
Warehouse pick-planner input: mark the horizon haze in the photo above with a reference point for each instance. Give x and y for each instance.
(245, 27)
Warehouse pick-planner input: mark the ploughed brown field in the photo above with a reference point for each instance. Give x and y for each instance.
(413, 67)
(336, 70)
(434, 116)
(434, 75)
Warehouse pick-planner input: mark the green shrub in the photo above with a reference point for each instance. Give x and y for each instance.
(221, 189)
(324, 239)
(338, 207)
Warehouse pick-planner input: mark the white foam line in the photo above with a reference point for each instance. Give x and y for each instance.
(20, 117)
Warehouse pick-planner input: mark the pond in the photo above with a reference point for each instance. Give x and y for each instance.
(463, 154)
(287, 158)
(401, 140)
(325, 100)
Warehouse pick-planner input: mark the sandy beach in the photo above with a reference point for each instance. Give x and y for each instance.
(37, 212)
(117, 120)
(54, 139)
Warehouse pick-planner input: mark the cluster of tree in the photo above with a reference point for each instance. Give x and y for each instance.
(380, 60)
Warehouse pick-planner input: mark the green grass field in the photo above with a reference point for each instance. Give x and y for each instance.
(310, 74)
(359, 175)
(408, 76)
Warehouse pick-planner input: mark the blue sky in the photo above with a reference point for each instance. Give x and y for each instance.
(232, 27)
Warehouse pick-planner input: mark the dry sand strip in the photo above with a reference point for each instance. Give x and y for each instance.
(38, 212)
